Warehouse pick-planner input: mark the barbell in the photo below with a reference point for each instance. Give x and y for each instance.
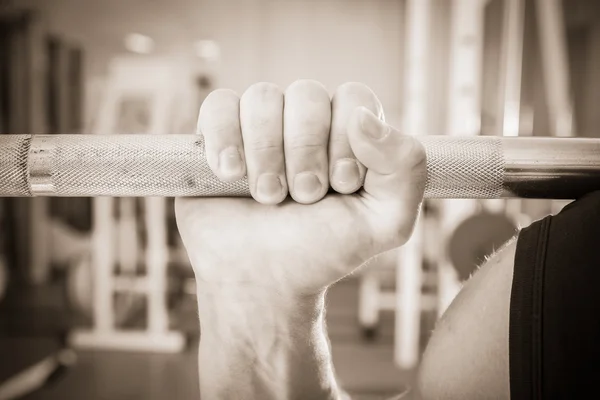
(175, 165)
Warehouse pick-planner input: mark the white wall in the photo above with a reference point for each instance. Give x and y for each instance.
(333, 41)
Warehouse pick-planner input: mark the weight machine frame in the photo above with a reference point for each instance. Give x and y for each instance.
(466, 52)
(129, 77)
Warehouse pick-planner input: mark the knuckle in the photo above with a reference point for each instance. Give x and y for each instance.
(262, 145)
(260, 122)
(309, 124)
(358, 94)
(262, 91)
(216, 128)
(308, 109)
(219, 113)
(338, 138)
(220, 95)
(310, 142)
(309, 87)
(305, 155)
(261, 109)
(354, 89)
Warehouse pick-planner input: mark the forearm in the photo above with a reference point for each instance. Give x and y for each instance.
(256, 346)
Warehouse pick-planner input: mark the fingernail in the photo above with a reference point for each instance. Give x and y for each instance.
(269, 186)
(307, 186)
(230, 162)
(371, 125)
(345, 173)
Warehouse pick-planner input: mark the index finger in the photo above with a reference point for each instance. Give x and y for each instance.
(219, 123)
(346, 173)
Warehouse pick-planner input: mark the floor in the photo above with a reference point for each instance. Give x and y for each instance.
(33, 320)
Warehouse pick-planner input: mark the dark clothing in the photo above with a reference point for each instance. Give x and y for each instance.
(554, 337)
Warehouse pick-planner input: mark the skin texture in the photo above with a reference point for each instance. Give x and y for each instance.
(467, 354)
(263, 265)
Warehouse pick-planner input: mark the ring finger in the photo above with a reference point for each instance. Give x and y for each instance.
(307, 119)
(261, 120)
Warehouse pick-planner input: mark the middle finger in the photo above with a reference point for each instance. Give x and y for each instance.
(306, 123)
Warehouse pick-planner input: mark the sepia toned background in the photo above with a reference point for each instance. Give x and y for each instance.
(470, 67)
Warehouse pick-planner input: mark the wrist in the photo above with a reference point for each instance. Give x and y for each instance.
(265, 345)
(255, 309)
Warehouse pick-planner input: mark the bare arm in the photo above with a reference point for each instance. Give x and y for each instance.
(262, 265)
(467, 356)
(266, 349)
(276, 350)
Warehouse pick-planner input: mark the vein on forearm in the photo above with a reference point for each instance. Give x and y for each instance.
(266, 350)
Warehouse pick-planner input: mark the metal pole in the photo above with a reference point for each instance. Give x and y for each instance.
(409, 262)
(175, 165)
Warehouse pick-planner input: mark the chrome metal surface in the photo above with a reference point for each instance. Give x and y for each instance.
(565, 167)
(175, 165)
(14, 152)
(40, 165)
(463, 167)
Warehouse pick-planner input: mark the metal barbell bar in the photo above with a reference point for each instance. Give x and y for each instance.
(175, 165)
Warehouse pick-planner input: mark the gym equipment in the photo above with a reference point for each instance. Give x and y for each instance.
(557, 80)
(3, 265)
(37, 375)
(463, 117)
(80, 294)
(175, 165)
(477, 237)
(373, 298)
(3, 278)
(42, 83)
(24, 74)
(416, 96)
(128, 303)
(65, 86)
(130, 249)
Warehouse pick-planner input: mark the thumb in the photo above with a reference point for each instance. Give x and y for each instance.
(396, 170)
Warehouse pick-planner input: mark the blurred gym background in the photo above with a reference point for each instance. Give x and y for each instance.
(97, 301)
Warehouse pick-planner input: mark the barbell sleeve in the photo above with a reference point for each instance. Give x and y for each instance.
(175, 165)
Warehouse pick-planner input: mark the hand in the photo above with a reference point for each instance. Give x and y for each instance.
(299, 143)
(262, 265)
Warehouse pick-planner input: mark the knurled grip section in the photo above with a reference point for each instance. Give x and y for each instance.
(175, 165)
(137, 165)
(464, 167)
(14, 150)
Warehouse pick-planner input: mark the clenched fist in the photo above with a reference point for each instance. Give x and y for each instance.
(263, 265)
(299, 144)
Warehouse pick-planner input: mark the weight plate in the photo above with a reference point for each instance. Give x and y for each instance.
(80, 295)
(477, 237)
